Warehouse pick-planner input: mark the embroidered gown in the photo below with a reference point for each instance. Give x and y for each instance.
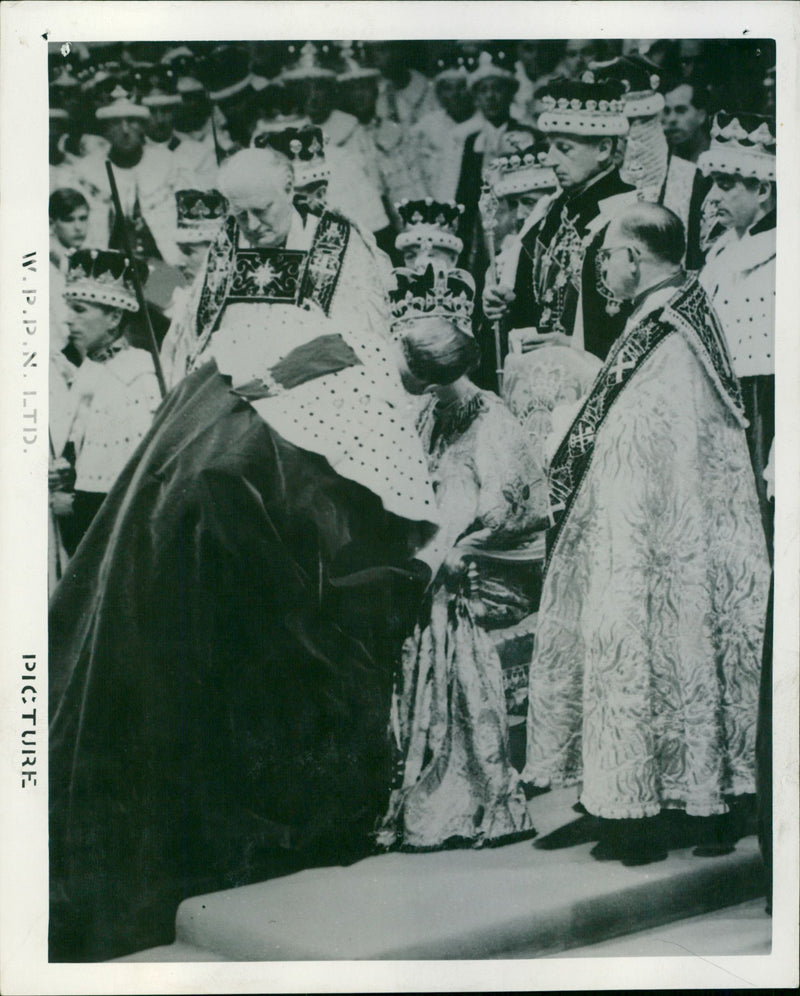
(644, 681)
(448, 714)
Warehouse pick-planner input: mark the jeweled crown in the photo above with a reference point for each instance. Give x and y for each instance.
(448, 294)
(583, 108)
(103, 276)
(640, 80)
(303, 147)
(431, 221)
(200, 213)
(741, 144)
(521, 172)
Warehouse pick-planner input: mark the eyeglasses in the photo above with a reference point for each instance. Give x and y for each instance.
(605, 254)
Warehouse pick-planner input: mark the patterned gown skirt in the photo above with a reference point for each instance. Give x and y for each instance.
(456, 786)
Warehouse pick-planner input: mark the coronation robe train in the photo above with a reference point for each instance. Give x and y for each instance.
(645, 675)
(222, 648)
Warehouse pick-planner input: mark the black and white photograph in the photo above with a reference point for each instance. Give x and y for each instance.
(416, 504)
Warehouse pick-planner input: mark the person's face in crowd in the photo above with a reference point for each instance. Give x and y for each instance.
(579, 53)
(264, 213)
(71, 231)
(738, 205)
(575, 161)
(513, 212)
(161, 123)
(317, 99)
(192, 259)
(682, 121)
(528, 52)
(91, 326)
(690, 55)
(359, 98)
(454, 97)
(193, 113)
(417, 257)
(126, 135)
(493, 97)
(618, 263)
(313, 196)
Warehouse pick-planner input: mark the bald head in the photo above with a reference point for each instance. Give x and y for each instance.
(655, 228)
(642, 247)
(258, 184)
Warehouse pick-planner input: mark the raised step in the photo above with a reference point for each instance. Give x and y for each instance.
(463, 904)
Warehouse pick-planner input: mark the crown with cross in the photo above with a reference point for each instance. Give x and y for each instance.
(741, 145)
(583, 108)
(448, 294)
(104, 276)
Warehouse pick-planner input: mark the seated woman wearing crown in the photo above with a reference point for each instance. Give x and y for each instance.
(455, 782)
(114, 393)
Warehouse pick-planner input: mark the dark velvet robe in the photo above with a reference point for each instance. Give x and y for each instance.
(599, 328)
(221, 658)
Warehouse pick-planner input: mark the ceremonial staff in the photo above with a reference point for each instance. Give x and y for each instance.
(488, 205)
(162, 385)
(217, 149)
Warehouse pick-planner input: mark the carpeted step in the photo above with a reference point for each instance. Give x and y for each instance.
(465, 904)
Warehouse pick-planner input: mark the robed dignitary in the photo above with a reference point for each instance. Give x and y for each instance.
(350, 274)
(311, 86)
(388, 156)
(492, 86)
(644, 681)
(195, 163)
(520, 189)
(438, 137)
(648, 163)
(405, 94)
(739, 274)
(538, 385)
(145, 177)
(222, 651)
(554, 294)
(686, 117)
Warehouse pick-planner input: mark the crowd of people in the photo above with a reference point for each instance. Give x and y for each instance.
(397, 388)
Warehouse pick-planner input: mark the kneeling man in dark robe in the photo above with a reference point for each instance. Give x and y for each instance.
(222, 650)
